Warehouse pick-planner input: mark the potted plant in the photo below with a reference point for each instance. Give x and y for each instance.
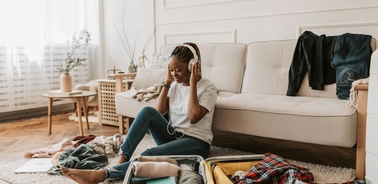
(79, 40)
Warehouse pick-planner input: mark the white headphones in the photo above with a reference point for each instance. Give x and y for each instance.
(192, 61)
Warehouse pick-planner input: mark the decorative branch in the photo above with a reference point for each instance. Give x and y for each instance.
(81, 40)
(125, 41)
(130, 49)
(149, 40)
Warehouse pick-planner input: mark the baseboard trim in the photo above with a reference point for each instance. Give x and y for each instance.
(59, 107)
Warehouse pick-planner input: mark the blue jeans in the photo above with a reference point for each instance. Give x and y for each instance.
(167, 143)
(351, 60)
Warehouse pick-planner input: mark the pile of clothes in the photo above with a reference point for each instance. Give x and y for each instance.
(82, 152)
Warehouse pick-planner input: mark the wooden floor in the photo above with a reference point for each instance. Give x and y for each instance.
(18, 137)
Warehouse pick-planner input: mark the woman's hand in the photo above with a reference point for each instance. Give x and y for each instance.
(169, 78)
(162, 104)
(196, 73)
(195, 111)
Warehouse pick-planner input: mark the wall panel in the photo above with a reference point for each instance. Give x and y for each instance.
(226, 36)
(257, 20)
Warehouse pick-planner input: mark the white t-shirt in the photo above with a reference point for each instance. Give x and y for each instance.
(178, 109)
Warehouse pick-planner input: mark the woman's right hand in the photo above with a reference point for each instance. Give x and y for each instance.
(162, 104)
(169, 78)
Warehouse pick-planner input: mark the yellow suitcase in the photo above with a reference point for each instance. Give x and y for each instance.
(219, 170)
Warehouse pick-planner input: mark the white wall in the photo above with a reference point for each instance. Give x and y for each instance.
(234, 21)
(229, 21)
(372, 123)
(244, 21)
(139, 16)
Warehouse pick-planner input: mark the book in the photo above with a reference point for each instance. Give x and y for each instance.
(59, 92)
(166, 180)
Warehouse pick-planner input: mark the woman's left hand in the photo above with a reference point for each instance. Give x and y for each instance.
(196, 73)
(195, 111)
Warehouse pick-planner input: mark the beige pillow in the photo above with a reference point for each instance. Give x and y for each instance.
(148, 77)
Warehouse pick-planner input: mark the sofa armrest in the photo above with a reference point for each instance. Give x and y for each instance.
(362, 90)
(119, 80)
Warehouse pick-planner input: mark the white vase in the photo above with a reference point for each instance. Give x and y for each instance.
(65, 82)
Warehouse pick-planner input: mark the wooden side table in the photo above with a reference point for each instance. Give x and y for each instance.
(107, 110)
(362, 99)
(119, 86)
(80, 98)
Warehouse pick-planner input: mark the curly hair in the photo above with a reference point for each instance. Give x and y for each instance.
(184, 54)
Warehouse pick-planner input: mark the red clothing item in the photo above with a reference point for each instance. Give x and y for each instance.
(276, 170)
(83, 140)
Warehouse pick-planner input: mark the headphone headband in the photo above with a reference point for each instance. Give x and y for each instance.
(195, 57)
(193, 51)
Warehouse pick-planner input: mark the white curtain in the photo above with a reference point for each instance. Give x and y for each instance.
(34, 39)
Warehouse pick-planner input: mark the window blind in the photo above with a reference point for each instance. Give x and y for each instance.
(22, 81)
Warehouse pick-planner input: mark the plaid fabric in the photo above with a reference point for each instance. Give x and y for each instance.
(274, 169)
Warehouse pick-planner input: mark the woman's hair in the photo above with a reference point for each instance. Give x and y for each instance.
(184, 54)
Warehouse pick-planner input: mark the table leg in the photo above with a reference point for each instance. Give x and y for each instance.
(78, 106)
(85, 107)
(49, 116)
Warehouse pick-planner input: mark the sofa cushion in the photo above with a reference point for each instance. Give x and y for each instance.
(332, 131)
(129, 107)
(325, 121)
(267, 68)
(301, 105)
(148, 77)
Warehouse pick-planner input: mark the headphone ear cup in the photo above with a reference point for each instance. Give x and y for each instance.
(190, 65)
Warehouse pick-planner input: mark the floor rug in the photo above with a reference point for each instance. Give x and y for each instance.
(91, 117)
(322, 174)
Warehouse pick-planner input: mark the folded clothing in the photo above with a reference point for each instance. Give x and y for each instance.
(156, 159)
(189, 177)
(154, 169)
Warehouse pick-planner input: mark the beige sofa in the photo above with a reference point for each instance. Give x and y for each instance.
(253, 112)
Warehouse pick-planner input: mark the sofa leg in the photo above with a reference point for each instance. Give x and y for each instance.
(124, 124)
(121, 125)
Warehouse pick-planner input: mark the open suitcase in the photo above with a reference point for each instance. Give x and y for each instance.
(195, 160)
(221, 169)
(213, 170)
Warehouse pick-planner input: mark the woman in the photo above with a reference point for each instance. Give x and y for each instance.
(189, 100)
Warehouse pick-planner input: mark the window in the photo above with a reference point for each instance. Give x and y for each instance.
(34, 40)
